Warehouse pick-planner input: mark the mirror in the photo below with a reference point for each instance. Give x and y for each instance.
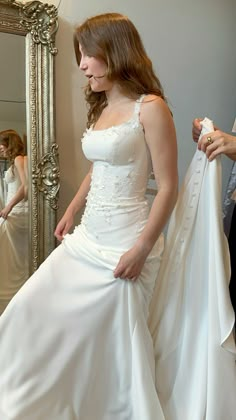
(27, 50)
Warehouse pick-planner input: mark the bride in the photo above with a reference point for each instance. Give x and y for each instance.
(85, 351)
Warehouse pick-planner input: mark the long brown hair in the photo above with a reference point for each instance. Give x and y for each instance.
(113, 38)
(13, 143)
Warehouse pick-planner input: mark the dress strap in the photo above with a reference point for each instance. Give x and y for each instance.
(138, 104)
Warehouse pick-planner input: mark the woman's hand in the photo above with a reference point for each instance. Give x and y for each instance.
(64, 226)
(216, 143)
(5, 211)
(131, 263)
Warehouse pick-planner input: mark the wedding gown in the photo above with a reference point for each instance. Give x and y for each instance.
(85, 351)
(14, 234)
(74, 341)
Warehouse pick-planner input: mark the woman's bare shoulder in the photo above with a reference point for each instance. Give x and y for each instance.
(19, 160)
(153, 107)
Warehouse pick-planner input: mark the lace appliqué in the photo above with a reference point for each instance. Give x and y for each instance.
(108, 192)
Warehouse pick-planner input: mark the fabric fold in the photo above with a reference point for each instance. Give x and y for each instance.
(191, 317)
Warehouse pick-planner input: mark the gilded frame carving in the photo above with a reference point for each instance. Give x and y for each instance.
(38, 23)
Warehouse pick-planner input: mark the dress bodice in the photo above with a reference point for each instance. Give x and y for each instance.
(121, 160)
(117, 208)
(13, 183)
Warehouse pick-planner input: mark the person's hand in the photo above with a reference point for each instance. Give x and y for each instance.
(131, 263)
(216, 143)
(63, 226)
(5, 211)
(196, 128)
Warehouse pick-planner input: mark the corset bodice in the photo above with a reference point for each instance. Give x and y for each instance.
(13, 183)
(117, 208)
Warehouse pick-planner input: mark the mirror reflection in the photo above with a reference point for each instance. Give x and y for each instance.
(14, 216)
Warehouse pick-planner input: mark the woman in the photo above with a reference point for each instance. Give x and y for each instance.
(88, 302)
(13, 220)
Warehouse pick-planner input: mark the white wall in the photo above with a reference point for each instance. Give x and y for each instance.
(192, 45)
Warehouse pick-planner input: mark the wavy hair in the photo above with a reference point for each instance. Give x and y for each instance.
(113, 38)
(13, 143)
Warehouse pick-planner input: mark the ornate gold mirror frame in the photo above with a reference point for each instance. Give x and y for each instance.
(38, 23)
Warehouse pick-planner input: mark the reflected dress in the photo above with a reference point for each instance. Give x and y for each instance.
(2, 198)
(84, 350)
(14, 234)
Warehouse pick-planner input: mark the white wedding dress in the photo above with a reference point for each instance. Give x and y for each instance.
(74, 341)
(14, 236)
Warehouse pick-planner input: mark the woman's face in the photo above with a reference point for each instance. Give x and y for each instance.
(3, 150)
(95, 70)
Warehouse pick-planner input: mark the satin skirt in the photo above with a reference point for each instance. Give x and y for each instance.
(14, 255)
(74, 341)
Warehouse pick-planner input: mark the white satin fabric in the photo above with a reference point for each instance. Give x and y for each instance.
(85, 351)
(14, 235)
(191, 317)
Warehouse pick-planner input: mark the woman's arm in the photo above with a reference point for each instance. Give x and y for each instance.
(20, 195)
(161, 139)
(76, 204)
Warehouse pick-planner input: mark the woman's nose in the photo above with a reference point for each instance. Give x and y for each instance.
(83, 64)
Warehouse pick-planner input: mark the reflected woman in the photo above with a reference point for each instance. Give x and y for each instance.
(13, 220)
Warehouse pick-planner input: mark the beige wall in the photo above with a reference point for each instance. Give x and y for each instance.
(192, 45)
(12, 83)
